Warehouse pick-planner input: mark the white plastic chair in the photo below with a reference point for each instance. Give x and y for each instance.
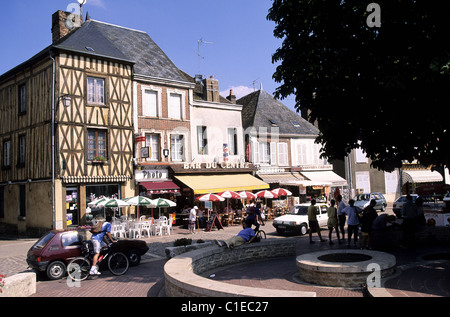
(146, 226)
(134, 230)
(142, 218)
(157, 228)
(167, 226)
(118, 230)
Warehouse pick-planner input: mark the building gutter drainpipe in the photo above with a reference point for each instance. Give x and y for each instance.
(53, 141)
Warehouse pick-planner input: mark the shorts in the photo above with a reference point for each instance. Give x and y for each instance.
(313, 225)
(97, 246)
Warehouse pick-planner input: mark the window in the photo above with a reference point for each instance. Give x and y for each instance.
(7, 153)
(96, 91)
(22, 99)
(175, 106)
(202, 140)
(22, 150)
(152, 141)
(360, 156)
(232, 141)
(283, 159)
(150, 103)
(264, 152)
(97, 144)
(176, 147)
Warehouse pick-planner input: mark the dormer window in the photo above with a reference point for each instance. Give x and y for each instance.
(274, 124)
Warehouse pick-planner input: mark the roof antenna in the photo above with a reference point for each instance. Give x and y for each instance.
(81, 2)
(201, 41)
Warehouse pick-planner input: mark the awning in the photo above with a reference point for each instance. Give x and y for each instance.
(160, 187)
(282, 178)
(205, 184)
(421, 176)
(324, 178)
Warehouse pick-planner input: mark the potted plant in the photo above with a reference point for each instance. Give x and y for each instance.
(99, 159)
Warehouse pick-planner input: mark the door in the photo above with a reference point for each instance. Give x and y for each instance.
(72, 212)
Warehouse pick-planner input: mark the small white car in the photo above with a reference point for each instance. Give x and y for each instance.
(297, 220)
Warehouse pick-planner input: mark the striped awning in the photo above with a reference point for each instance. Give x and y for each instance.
(421, 176)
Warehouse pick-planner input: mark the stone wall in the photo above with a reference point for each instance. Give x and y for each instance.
(182, 273)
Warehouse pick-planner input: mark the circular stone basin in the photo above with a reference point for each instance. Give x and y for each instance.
(345, 268)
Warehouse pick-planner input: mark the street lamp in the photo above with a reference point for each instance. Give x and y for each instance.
(66, 100)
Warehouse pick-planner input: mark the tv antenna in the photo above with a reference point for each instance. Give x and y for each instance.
(199, 42)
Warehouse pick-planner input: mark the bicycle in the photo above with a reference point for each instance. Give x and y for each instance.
(260, 235)
(117, 262)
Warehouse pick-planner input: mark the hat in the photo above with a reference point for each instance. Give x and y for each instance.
(195, 207)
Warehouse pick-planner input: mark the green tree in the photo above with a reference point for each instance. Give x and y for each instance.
(384, 88)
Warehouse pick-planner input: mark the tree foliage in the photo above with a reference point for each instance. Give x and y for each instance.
(384, 89)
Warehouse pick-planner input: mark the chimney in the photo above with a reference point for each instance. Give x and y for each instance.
(64, 23)
(211, 89)
(232, 97)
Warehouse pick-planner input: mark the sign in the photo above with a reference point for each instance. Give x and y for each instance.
(151, 174)
(225, 165)
(140, 138)
(145, 152)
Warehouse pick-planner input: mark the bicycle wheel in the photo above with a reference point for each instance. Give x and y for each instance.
(261, 234)
(78, 269)
(118, 263)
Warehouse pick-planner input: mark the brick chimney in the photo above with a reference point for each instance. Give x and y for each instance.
(64, 23)
(232, 97)
(211, 89)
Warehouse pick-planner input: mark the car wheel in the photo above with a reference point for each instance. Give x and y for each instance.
(56, 270)
(134, 257)
(303, 229)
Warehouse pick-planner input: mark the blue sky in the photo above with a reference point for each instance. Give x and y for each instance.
(240, 55)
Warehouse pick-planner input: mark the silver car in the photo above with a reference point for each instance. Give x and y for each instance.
(363, 200)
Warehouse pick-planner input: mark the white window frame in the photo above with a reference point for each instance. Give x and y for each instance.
(155, 148)
(170, 112)
(232, 135)
(202, 140)
(146, 108)
(177, 154)
(264, 152)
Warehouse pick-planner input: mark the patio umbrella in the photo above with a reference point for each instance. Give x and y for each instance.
(281, 192)
(266, 194)
(247, 195)
(162, 203)
(96, 202)
(113, 203)
(210, 197)
(229, 194)
(138, 201)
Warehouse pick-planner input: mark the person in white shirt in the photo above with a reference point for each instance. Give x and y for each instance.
(341, 216)
(192, 219)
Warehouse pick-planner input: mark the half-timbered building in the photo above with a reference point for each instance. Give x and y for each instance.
(66, 131)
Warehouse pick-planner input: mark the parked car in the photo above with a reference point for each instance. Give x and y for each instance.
(363, 200)
(398, 204)
(53, 251)
(297, 220)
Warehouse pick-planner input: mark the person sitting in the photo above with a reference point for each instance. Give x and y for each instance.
(245, 236)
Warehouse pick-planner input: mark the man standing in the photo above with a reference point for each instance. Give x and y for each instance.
(409, 215)
(341, 215)
(312, 221)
